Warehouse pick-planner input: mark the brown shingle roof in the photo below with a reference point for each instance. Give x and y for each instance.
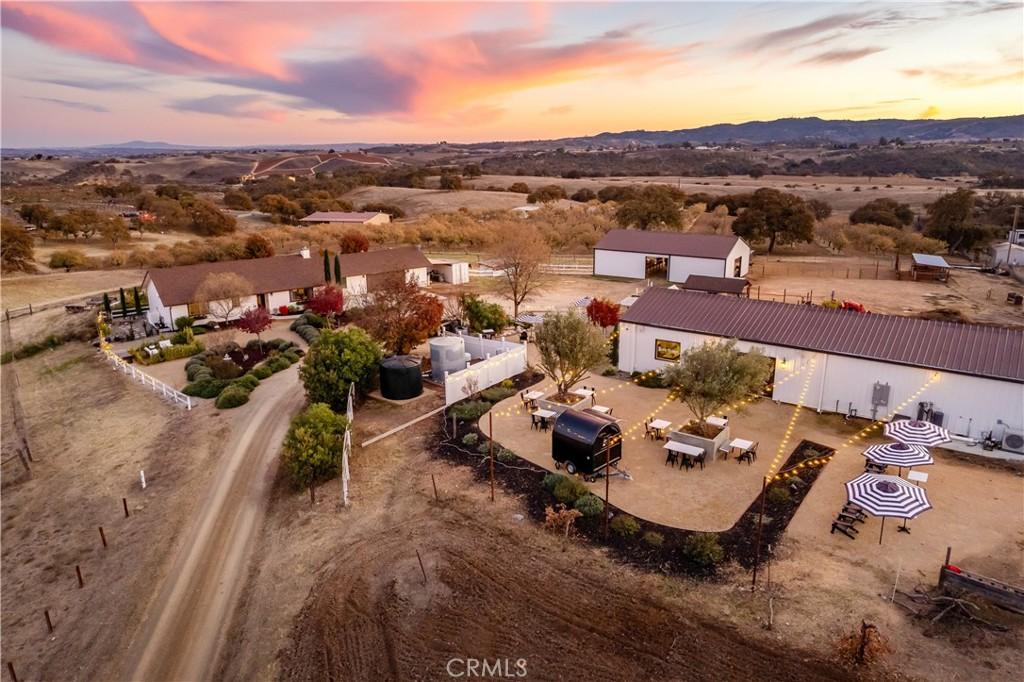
(669, 243)
(339, 217)
(715, 285)
(177, 285)
(971, 349)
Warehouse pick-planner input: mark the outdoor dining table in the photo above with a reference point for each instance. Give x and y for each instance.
(660, 425)
(602, 409)
(717, 421)
(534, 395)
(691, 451)
(585, 393)
(545, 414)
(741, 444)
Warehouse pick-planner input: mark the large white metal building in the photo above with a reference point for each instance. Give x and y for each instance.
(969, 378)
(638, 254)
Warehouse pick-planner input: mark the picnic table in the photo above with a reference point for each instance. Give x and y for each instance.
(660, 425)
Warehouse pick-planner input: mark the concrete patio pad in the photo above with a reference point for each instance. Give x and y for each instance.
(711, 499)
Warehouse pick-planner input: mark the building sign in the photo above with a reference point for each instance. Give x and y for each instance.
(669, 351)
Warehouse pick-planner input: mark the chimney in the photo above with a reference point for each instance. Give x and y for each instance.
(304, 252)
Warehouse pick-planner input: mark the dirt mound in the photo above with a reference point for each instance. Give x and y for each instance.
(505, 594)
(945, 315)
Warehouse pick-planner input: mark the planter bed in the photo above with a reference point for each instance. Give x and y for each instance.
(525, 480)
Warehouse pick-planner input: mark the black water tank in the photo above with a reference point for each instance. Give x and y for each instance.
(400, 377)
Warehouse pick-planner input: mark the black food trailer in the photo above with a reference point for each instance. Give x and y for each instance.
(585, 441)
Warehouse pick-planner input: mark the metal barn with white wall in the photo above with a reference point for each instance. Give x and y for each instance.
(628, 253)
(871, 365)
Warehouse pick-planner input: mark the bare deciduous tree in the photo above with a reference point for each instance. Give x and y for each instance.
(222, 293)
(521, 255)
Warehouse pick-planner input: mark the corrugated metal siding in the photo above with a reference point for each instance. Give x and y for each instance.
(715, 246)
(979, 350)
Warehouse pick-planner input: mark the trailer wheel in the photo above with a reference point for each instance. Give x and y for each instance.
(570, 468)
(589, 479)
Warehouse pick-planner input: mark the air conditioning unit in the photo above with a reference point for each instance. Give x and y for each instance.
(1013, 440)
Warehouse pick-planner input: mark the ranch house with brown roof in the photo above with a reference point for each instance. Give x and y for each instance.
(278, 281)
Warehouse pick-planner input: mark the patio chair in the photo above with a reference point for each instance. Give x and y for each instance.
(846, 529)
(699, 459)
(671, 457)
(724, 452)
(522, 397)
(544, 424)
(649, 432)
(535, 421)
(748, 456)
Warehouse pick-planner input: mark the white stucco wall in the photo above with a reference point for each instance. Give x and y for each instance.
(157, 309)
(681, 267)
(420, 276)
(452, 273)
(740, 250)
(971, 404)
(620, 264)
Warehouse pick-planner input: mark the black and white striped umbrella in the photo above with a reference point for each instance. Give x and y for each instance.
(914, 432)
(582, 302)
(882, 495)
(530, 318)
(899, 455)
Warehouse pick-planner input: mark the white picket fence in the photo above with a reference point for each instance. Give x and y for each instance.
(500, 360)
(568, 268)
(145, 379)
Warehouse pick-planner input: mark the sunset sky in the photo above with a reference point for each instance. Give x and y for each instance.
(272, 73)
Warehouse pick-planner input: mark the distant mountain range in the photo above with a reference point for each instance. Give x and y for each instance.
(807, 130)
(819, 130)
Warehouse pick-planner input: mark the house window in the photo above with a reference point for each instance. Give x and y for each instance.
(737, 267)
(299, 295)
(197, 309)
(668, 351)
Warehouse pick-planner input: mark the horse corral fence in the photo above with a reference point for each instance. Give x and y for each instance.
(147, 380)
(496, 361)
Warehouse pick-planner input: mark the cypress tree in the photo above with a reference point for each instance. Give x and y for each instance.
(327, 266)
(337, 269)
(138, 301)
(106, 305)
(124, 304)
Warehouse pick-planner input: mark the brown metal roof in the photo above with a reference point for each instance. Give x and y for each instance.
(715, 246)
(715, 285)
(972, 349)
(177, 285)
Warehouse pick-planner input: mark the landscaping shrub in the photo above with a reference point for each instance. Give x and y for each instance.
(193, 371)
(205, 388)
(778, 494)
(653, 539)
(624, 526)
(470, 410)
(589, 505)
(232, 396)
(178, 352)
(484, 448)
(610, 372)
(254, 345)
(551, 481)
(181, 322)
(277, 364)
(307, 319)
(291, 356)
(262, 372)
(569, 490)
(247, 381)
(308, 332)
(646, 380)
(470, 439)
(703, 550)
(505, 456)
(223, 369)
(496, 394)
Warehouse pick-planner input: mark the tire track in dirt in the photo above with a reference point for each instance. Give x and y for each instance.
(186, 623)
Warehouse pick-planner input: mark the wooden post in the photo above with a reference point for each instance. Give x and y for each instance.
(607, 485)
(10, 669)
(942, 571)
(783, 295)
(434, 482)
(760, 524)
(49, 623)
(490, 440)
(103, 538)
(124, 503)
(78, 571)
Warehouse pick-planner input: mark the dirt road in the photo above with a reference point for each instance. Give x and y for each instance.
(186, 623)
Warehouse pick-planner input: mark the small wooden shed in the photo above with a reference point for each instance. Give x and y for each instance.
(928, 266)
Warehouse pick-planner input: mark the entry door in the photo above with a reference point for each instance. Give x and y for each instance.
(261, 300)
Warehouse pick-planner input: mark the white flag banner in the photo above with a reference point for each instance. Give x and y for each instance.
(345, 450)
(349, 410)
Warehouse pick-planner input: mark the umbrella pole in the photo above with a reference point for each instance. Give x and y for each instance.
(903, 528)
(881, 530)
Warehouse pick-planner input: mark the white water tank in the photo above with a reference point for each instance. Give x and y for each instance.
(447, 354)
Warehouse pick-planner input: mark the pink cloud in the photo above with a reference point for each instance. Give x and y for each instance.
(64, 27)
